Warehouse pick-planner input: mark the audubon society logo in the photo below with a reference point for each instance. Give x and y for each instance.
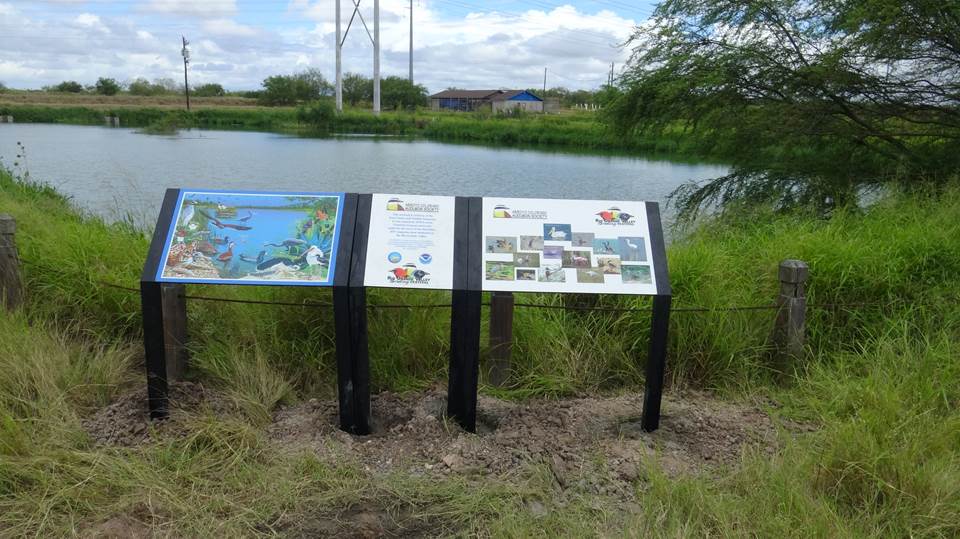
(614, 217)
(408, 274)
(501, 211)
(395, 204)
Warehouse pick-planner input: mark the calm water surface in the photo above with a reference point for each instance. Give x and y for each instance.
(117, 172)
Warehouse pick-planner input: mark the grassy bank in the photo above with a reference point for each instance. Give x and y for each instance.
(880, 389)
(570, 131)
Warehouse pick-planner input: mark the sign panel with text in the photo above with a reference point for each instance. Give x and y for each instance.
(410, 244)
(577, 246)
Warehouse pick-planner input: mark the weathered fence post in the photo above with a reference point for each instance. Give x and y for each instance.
(11, 285)
(174, 306)
(789, 331)
(501, 336)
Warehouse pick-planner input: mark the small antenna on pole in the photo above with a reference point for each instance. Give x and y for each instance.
(185, 52)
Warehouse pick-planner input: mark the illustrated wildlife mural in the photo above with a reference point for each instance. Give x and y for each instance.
(251, 237)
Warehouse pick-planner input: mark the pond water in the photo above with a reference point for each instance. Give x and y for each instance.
(119, 172)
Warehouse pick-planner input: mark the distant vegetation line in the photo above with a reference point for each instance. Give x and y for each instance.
(562, 131)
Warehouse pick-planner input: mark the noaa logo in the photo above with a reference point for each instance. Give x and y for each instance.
(501, 211)
(394, 257)
(394, 204)
(426, 258)
(613, 216)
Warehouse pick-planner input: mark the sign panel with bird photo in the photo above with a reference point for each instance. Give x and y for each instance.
(232, 237)
(578, 246)
(410, 243)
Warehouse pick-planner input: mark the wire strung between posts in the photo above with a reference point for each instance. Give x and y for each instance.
(522, 305)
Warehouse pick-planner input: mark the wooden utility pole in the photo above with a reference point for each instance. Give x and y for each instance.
(11, 285)
(411, 41)
(185, 52)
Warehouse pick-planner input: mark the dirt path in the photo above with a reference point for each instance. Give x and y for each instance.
(593, 444)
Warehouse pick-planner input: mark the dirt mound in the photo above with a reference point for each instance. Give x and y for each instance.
(126, 422)
(591, 443)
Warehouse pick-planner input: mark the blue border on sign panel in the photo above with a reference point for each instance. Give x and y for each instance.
(176, 218)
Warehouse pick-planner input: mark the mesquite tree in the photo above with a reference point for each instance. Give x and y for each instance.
(810, 100)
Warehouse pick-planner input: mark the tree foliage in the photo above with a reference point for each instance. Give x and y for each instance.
(67, 86)
(357, 89)
(297, 88)
(211, 89)
(107, 86)
(142, 86)
(400, 93)
(810, 100)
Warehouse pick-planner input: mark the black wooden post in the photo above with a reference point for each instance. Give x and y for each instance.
(155, 351)
(465, 313)
(152, 306)
(789, 332)
(501, 336)
(659, 324)
(11, 284)
(350, 317)
(656, 363)
(175, 329)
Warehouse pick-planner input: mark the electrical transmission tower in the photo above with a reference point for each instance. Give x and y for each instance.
(185, 52)
(374, 38)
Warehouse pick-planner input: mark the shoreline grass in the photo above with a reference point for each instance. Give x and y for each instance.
(881, 386)
(574, 131)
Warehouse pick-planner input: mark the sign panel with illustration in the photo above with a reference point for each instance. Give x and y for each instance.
(253, 238)
(582, 246)
(410, 244)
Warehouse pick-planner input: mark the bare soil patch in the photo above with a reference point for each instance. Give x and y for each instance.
(126, 422)
(591, 443)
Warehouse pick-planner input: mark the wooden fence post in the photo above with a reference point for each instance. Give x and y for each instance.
(501, 336)
(789, 331)
(11, 285)
(174, 306)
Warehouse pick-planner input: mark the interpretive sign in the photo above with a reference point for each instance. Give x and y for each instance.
(252, 238)
(410, 243)
(580, 246)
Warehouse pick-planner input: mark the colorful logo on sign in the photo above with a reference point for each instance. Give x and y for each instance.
(394, 257)
(501, 212)
(613, 216)
(394, 204)
(426, 258)
(408, 273)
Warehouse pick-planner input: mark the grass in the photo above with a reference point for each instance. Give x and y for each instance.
(880, 385)
(567, 131)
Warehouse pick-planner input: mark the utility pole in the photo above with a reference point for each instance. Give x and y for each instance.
(411, 41)
(185, 52)
(544, 83)
(610, 79)
(375, 39)
(339, 90)
(376, 57)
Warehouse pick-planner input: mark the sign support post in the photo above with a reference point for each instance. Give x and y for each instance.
(465, 313)
(659, 324)
(350, 318)
(151, 301)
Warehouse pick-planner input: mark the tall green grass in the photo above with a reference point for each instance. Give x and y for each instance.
(573, 131)
(879, 388)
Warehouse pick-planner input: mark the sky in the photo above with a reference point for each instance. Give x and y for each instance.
(237, 43)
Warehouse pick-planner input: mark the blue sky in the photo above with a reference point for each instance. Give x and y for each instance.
(463, 43)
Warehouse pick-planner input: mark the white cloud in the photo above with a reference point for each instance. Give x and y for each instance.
(228, 27)
(193, 8)
(483, 49)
